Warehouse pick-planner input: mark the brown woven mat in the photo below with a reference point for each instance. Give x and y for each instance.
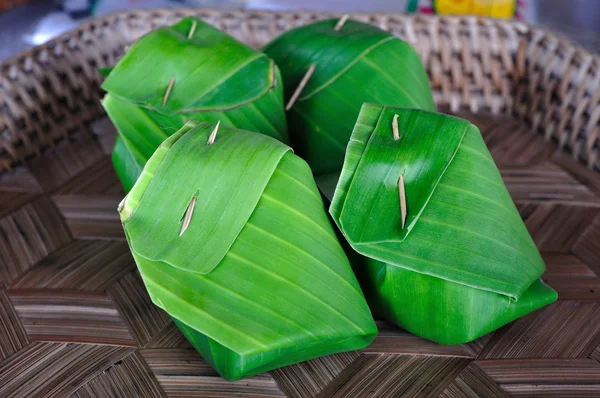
(74, 316)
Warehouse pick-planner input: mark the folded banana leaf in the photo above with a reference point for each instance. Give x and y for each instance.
(447, 255)
(233, 241)
(353, 63)
(188, 71)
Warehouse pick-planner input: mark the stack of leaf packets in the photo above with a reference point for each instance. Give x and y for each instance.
(445, 252)
(188, 71)
(230, 235)
(447, 255)
(345, 65)
(227, 226)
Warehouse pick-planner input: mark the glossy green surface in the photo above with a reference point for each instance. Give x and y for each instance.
(440, 310)
(216, 78)
(464, 264)
(283, 290)
(359, 63)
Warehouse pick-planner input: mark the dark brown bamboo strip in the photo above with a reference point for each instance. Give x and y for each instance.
(65, 161)
(512, 143)
(100, 178)
(72, 316)
(169, 337)
(13, 337)
(562, 265)
(546, 183)
(19, 180)
(308, 378)
(571, 278)
(105, 133)
(13, 200)
(572, 327)
(55, 369)
(395, 376)
(596, 354)
(16, 189)
(143, 318)
(587, 246)
(81, 264)
(183, 373)
(129, 377)
(556, 227)
(578, 289)
(585, 176)
(29, 234)
(473, 383)
(91, 216)
(393, 340)
(545, 377)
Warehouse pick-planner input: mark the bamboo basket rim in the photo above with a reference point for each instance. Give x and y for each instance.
(511, 66)
(182, 12)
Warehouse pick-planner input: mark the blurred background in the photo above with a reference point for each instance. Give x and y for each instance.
(24, 23)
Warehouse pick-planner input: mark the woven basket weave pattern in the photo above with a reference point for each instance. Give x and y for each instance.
(76, 320)
(476, 64)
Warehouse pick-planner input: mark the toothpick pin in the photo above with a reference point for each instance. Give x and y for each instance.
(188, 216)
(169, 88)
(192, 30)
(341, 22)
(213, 135)
(395, 128)
(274, 76)
(300, 87)
(121, 204)
(402, 199)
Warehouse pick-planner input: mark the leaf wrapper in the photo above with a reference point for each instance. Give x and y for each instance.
(258, 280)
(359, 63)
(464, 264)
(214, 78)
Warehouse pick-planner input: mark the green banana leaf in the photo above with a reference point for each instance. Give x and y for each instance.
(104, 72)
(254, 274)
(355, 64)
(463, 264)
(190, 71)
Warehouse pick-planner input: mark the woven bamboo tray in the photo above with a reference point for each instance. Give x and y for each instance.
(74, 316)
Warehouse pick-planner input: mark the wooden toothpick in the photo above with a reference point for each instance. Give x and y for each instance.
(188, 216)
(121, 204)
(169, 88)
(300, 87)
(402, 199)
(213, 135)
(274, 76)
(192, 30)
(395, 128)
(341, 22)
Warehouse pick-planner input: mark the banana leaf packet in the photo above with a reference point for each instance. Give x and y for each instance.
(231, 237)
(188, 71)
(330, 68)
(446, 254)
